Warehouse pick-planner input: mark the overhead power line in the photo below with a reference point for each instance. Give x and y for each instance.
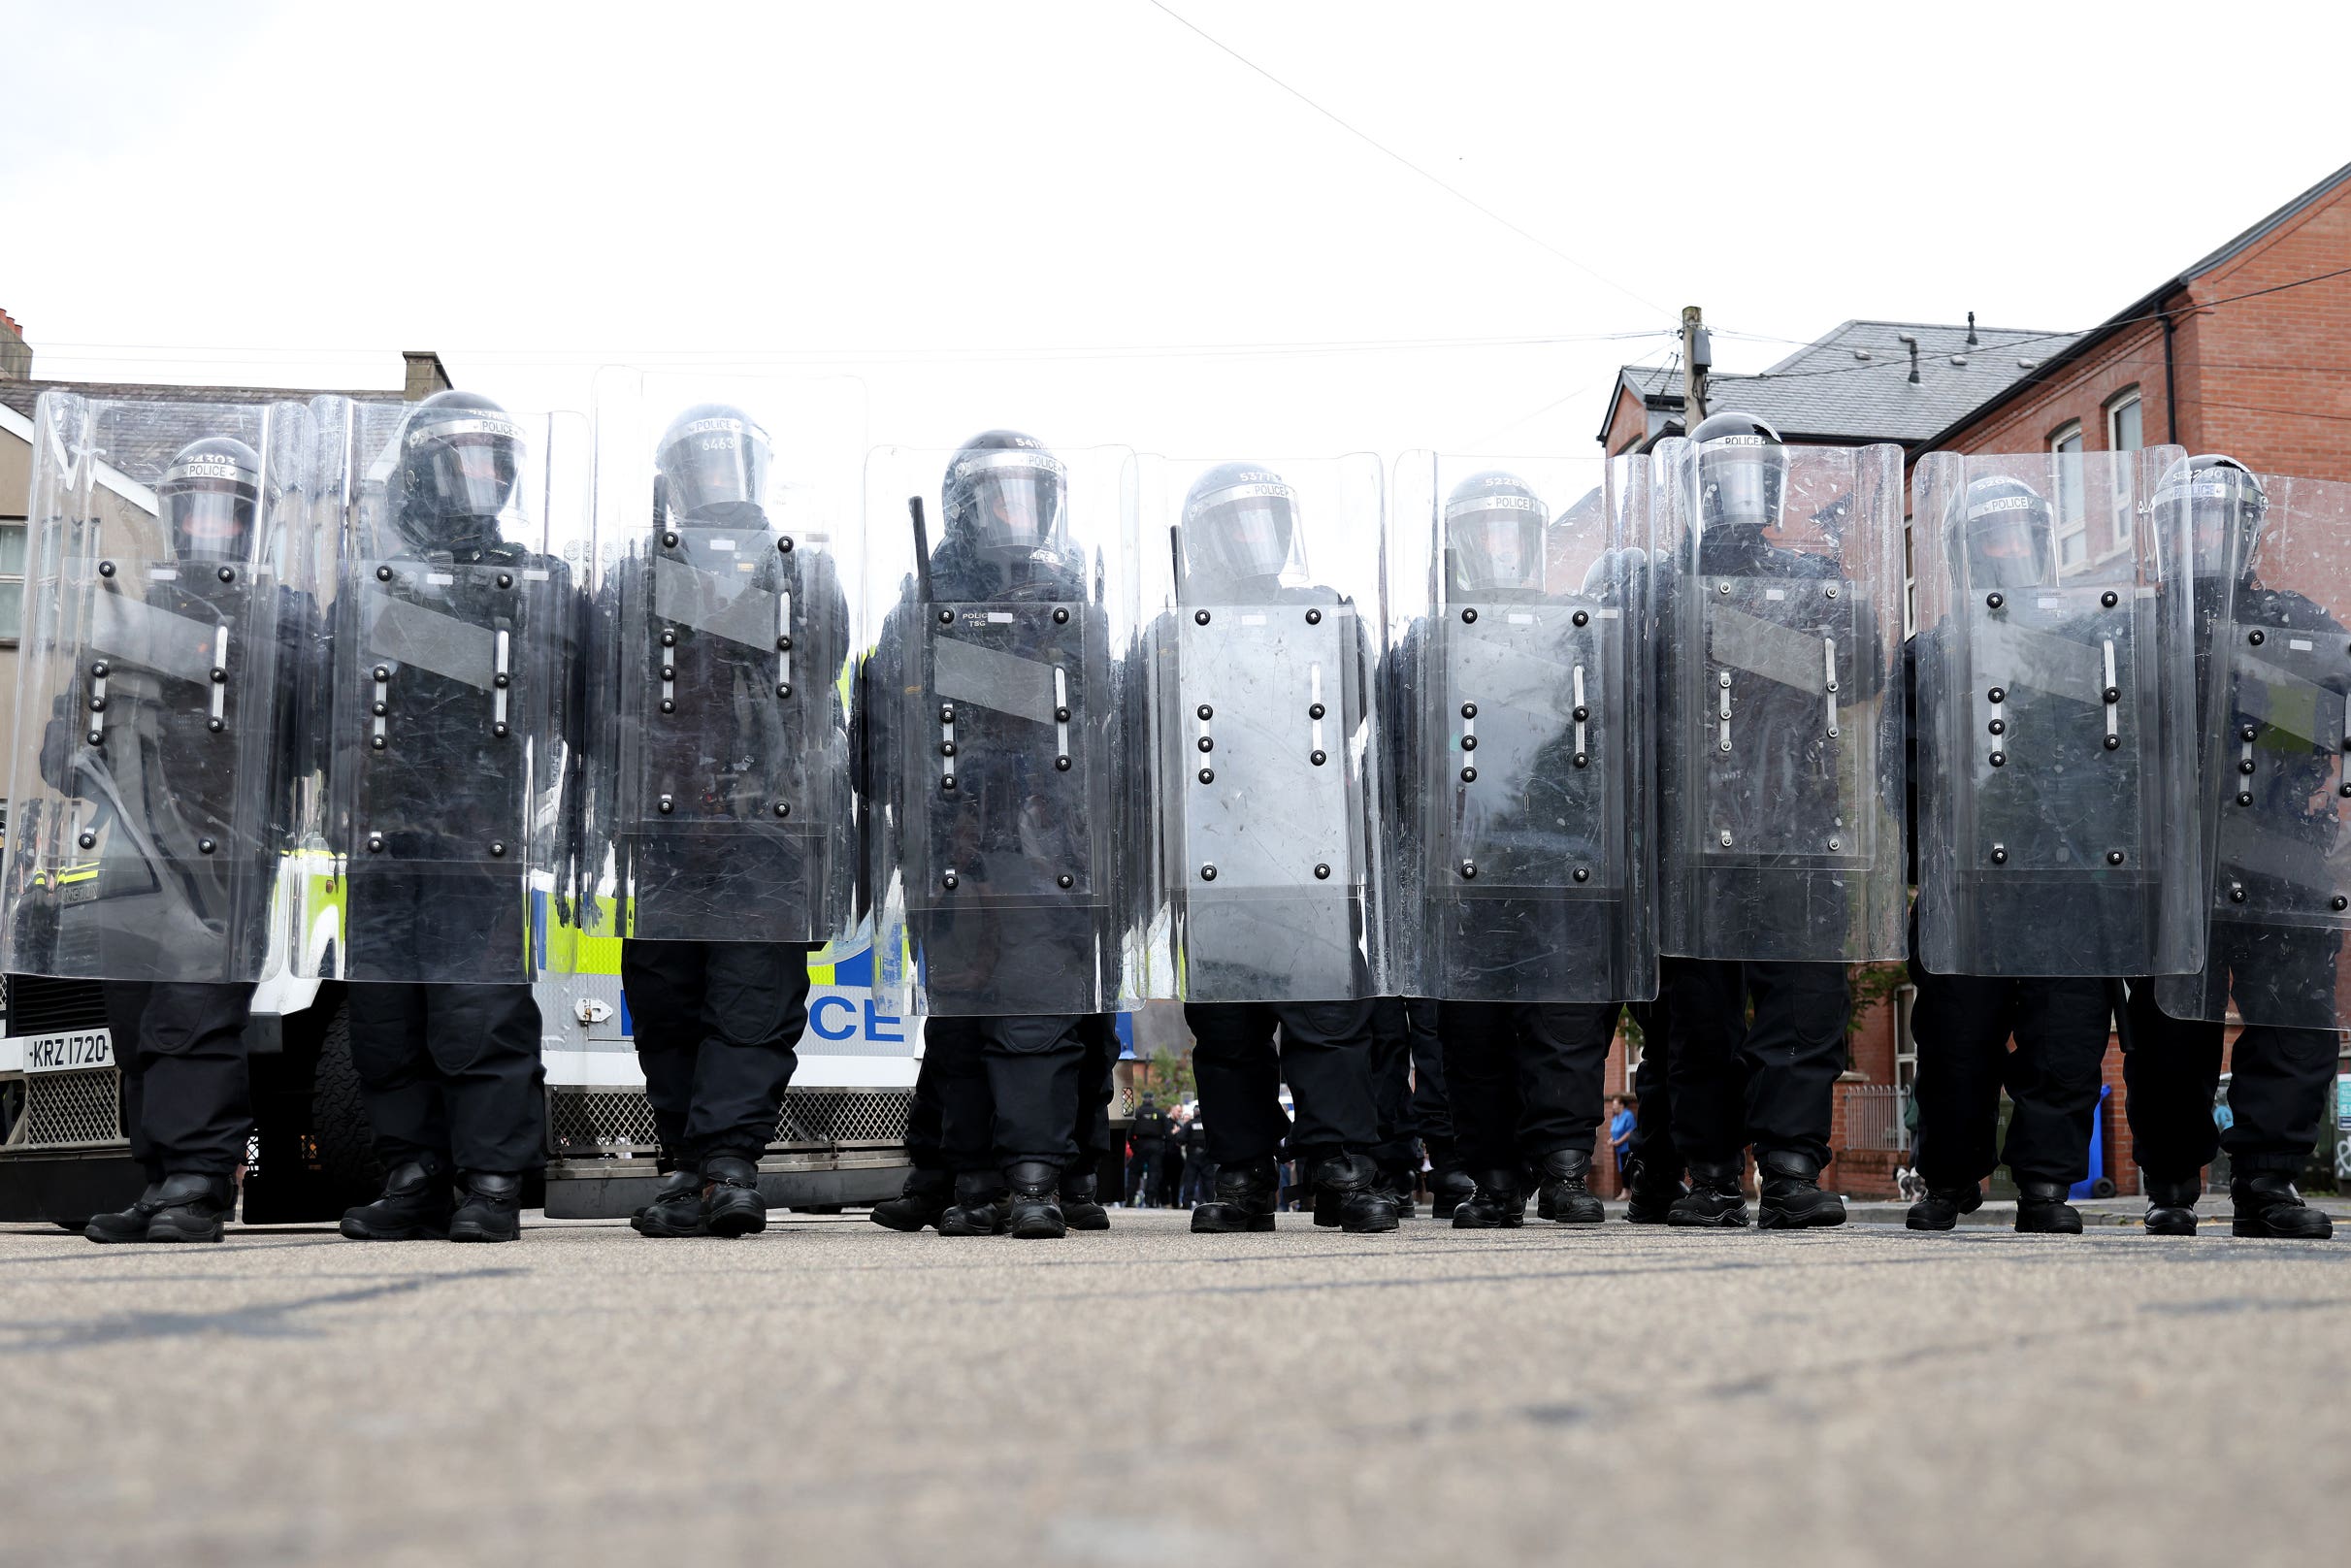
(1385, 151)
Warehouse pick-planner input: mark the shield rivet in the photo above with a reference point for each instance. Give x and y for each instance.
(1315, 710)
(1323, 875)
(384, 574)
(1582, 760)
(951, 881)
(783, 809)
(1065, 881)
(2000, 759)
(2108, 599)
(1206, 744)
(1208, 775)
(228, 573)
(1469, 710)
(1204, 711)
(498, 848)
(1469, 870)
(2113, 857)
(1583, 618)
(1584, 873)
(1061, 715)
(1199, 617)
(1060, 764)
(88, 841)
(1469, 776)
(783, 688)
(784, 545)
(375, 843)
(1318, 758)
(946, 715)
(1998, 694)
(1724, 838)
(1469, 742)
(1994, 601)
(2255, 637)
(668, 542)
(2000, 856)
(506, 579)
(1314, 617)
(2236, 893)
(1060, 617)
(1469, 615)
(1208, 873)
(2245, 767)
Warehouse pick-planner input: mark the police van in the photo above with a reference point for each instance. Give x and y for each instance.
(839, 1140)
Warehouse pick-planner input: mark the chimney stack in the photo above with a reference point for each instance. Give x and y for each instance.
(426, 376)
(15, 355)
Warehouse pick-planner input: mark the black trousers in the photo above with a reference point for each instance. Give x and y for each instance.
(952, 1124)
(1324, 1056)
(1097, 1087)
(1770, 1082)
(1526, 1078)
(2278, 1083)
(1009, 1086)
(451, 1071)
(1962, 1024)
(1143, 1167)
(1653, 1140)
(1408, 1081)
(186, 1098)
(716, 1024)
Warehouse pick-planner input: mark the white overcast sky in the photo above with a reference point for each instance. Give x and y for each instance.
(1085, 220)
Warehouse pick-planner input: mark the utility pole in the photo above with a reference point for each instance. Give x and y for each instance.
(1697, 358)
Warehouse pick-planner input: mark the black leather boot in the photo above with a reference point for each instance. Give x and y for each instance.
(1650, 1196)
(1713, 1198)
(1244, 1200)
(1792, 1198)
(2042, 1209)
(1941, 1207)
(979, 1207)
(676, 1210)
(1080, 1206)
(1034, 1212)
(1346, 1196)
(191, 1207)
(492, 1210)
(1447, 1186)
(1497, 1203)
(919, 1203)
(1565, 1194)
(126, 1224)
(2268, 1205)
(1396, 1183)
(732, 1205)
(416, 1205)
(2170, 1204)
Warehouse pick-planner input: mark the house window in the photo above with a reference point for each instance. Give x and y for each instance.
(2125, 430)
(12, 578)
(2073, 516)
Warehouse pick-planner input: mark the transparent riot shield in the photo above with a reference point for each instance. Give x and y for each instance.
(2056, 830)
(1522, 729)
(1781, 609)
(991, 733)
(454, 832)
(162, 753)
(1258, 693)
(2274, 654)
(727, 559)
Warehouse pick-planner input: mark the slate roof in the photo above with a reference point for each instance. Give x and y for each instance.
(1854, 385)
(146, 458)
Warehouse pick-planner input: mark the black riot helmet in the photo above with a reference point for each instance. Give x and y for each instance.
(2225, 505)
(1494, 535)
(1006, 497)
(209, 497)
(459, 457)
(1742, 471)
(2008, 532)
(714, 456)
(1240, 525)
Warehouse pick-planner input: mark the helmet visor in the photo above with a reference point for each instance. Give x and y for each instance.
(2008, 542)
(1497, 542)
(716, 462)
(469, 467)
(2222, 514)
(1739, 478)
(210, 522)
(1243, 532)
(1016, 498)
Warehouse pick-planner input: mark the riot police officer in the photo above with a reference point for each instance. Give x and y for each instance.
(1237, 534)
(1769, 1081)
(455, 651)
(1006, 860)
(1964, 1021)
(1526, 1074)
(2275, 931)
(726, 632)
(201, 769)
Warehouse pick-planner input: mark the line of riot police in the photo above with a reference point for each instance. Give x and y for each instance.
(1445, 764)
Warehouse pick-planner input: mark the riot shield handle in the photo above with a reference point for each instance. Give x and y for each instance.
(922, 547)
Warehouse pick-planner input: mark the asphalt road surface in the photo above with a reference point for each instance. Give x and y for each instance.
(831, 1392)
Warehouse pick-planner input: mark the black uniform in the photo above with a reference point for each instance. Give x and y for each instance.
(1148, 1136)
(2280, 1074)
(437, 815)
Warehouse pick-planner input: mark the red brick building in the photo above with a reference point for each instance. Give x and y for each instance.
(2246, 350)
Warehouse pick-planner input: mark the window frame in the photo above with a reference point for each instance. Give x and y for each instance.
(2130, 397)
(11, 639)
(2073, 524)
